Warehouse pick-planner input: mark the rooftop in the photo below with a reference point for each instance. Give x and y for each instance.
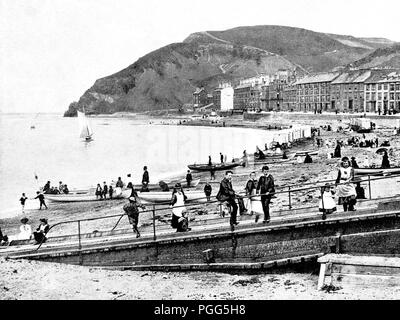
(353, 77)
(319, 77)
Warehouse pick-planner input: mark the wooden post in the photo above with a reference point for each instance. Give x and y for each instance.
(369, 187)
(154, 222)
(79, 242)
(290, 200)
(321, 278)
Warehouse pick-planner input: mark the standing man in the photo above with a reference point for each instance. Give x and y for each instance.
(189, 178)
(129, 181)
(145, 180)
(208, 190)
(209, 161)
(226, 193)
(266, 188)
(221, 156)
(22, 200)
(132, 211)
(41, 200)
(105, 190)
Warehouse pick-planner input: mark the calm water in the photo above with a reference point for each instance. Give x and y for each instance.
(53, 151)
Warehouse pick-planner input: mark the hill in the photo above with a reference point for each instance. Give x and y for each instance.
(388, 57)
(167, 77)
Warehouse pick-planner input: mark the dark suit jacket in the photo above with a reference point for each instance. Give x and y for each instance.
(266, 184)
(226, 191)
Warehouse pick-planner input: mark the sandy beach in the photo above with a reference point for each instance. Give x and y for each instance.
(18, 278)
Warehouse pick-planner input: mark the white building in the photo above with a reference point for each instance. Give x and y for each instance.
(226, 98)
(260, 80)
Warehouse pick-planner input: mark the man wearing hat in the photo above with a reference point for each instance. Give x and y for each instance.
(266, 188)
(132, 211)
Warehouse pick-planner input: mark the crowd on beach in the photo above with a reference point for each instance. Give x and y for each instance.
(258, 191)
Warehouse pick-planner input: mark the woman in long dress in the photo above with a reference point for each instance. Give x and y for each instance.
(25, 230)
(345, 188)
(179, 219)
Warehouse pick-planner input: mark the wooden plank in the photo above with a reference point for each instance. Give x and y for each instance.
(365, 281)
(366, 270)
(361, 260)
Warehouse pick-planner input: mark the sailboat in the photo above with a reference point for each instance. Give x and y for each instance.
(86, 131)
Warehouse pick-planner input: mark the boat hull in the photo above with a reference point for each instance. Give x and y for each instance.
(214, 167)
(303, 153)
(165, 197)
(376, 171)
(83, 197)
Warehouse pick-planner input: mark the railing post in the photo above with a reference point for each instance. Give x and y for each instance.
(154, 222)
(290, 200)
(369, 187)
(79, 242)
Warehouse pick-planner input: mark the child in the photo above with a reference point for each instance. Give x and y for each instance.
(327, 205)
(23, 200)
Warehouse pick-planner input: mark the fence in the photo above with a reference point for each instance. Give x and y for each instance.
(369, 180)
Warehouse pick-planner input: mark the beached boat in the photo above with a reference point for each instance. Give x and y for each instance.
(303, 153)
(376, 171)
(272, 156)
(171, 184)
(83, 196)
(165, 197)
(215, 167)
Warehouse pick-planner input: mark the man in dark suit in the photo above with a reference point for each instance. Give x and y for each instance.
(145, 180)
(266, 188)
(226, 193)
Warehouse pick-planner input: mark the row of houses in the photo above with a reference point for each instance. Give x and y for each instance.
(367, 90)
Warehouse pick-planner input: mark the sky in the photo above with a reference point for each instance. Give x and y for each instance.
(52, 51)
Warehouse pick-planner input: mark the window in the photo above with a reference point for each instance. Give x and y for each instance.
(392, 96)
(385, 86)
(368, 87)
(368, 96)
(373, 96)
(397, 86)
(379, 95)
(392, 87)
(379, 87)
(385, 96)
(373, 86)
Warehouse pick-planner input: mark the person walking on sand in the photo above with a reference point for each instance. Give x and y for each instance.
(209, 161)
(23, 200)
(99, 192)
(221, 156)
(385, 161)
(145, 180)
(132, 211)
(40, 196)
(105, 190)
(208, 190)
(337, 153)
(110, 191)
(227, 194)
(345, 188)
(266, 188)
(189, 178)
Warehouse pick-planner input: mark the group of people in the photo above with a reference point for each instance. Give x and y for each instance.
(62, 188)
(39, 235)
(264, 187)
(39, 196)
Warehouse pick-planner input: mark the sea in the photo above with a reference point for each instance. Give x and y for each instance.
(35, 148)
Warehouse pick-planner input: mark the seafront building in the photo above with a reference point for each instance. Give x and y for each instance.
(223, 97)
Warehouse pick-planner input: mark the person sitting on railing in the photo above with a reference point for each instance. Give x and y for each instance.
(345, 189)
(132, 211)
(179, 220)
(327, 205)
(41, 231)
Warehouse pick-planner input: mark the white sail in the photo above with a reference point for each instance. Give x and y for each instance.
(85, 129)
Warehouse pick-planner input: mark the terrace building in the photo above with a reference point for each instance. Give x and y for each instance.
(314, 92)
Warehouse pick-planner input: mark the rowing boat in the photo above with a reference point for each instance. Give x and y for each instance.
(156, 197)
(215, 167)
(303, 153)
(376, 171)
(83, 196)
